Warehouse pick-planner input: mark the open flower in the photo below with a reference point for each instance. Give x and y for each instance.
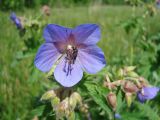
(147, 93)
(16, 20)
(75, 49)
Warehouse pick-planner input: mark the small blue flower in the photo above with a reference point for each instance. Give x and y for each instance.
(117, 116)
(147, 93)
(16, 20)
(75, 49)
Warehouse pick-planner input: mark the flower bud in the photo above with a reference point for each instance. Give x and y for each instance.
(75, 99)
(55, 101)
(107, 78)
(62, 109)
(84, 108)
(72, 103)
(46, 10)
(142, 82)
(132, 74)
(71, 116)
(120, 73)
(48, 95)
(128, 97)
(23, 21)
(112, 100)
(151, 10)
(129, 68)
(130, 87)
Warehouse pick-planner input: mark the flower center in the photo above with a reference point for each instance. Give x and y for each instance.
(71, 52)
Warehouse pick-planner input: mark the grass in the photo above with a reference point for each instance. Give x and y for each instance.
(17, 91)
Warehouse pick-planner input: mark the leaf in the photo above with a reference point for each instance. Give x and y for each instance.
(38, 111)
(119, 101)
(97, 95)
(148, 111)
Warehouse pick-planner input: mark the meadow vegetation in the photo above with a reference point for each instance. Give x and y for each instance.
(20, 89)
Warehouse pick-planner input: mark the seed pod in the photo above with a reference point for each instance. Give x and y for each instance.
(112, 100)
(130, 87)
(128, 97)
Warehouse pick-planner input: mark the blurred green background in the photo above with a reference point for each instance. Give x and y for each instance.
(19, 89)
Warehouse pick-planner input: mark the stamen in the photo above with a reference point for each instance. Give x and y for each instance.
(71, 52)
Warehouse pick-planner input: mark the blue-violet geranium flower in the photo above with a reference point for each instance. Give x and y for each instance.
(147, 93)
(75, 49)
(16, 20)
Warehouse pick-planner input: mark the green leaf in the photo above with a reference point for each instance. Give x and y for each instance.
(96, 93)
(148, 111)
(38, 111)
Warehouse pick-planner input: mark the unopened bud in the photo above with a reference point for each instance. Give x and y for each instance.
(112, 100)
(141, 82)
(107, 78)
(128, 97)
(84, 108)
(129, 68)
(132, 74)
(75, 99)
(120, 73)
(55, 101)
(62, 109)
(71, 116)
(46, 10)
(48, 95)
(138, 84)
(151, 10)
(23, 21)
(130, 87)
(72, 103)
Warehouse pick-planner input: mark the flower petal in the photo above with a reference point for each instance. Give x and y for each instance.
(147, 93)
(46, 57)
(69, 80)
(88, 34)
(55, 33)
(92, 59)
(150, 92)
(13, 16)
(140, 97)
